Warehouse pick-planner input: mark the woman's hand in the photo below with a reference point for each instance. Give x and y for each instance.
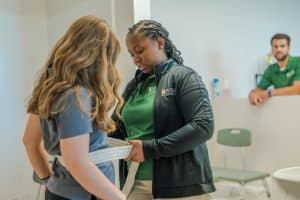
(75, 155)
(137, 153)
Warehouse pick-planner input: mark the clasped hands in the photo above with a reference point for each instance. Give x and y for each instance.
(136, 154)
(258, 97)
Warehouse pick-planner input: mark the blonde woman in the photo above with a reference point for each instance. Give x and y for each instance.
(68, 113)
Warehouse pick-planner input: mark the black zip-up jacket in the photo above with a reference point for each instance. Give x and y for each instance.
(183, 122)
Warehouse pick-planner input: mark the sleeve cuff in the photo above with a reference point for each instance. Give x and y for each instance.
(148, 148)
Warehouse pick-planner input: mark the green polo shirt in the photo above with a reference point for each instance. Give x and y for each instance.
(279, 78)
(137, 115)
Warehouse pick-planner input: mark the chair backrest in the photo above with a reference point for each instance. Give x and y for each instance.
(235, 137)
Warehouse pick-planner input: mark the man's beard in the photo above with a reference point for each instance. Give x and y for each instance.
(282, 58)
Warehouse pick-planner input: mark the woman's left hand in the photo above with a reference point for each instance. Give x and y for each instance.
(137, 153)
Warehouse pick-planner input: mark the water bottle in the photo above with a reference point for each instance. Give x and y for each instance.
(215, 87)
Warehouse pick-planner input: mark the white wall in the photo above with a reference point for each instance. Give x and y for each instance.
(23, 40)
(124, 18)
(142, 9)
(61, 14)
(228, 38)
(118, 13)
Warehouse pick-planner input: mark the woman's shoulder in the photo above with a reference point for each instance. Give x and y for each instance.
(182, 71)
(77, 91)
(71, 96)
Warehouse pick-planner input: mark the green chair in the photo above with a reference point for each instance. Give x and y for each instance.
(238, 137)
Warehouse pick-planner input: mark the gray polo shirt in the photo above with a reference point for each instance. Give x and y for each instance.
(70, 122)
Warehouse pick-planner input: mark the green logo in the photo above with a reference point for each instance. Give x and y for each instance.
(290, 73)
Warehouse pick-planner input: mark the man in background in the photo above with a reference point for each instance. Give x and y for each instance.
(280, 78)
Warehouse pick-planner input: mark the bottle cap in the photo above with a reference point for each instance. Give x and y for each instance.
(216, 80)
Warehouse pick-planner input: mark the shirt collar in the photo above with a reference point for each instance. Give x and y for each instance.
(287, 67)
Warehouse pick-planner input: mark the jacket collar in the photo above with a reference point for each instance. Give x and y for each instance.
(162, 68)
(140, 76)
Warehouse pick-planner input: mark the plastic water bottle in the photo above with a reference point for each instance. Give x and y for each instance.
(215, 87)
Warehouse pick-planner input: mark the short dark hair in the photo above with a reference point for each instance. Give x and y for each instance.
(281, 36)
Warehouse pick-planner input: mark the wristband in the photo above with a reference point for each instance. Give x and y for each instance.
(44, 181)
(270, 93)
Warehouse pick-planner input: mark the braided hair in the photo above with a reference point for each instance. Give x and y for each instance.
(153, 29)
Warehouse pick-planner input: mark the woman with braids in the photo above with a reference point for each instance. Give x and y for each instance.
(167, 118)
(68, 113)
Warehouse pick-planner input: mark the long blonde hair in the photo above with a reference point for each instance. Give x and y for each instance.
(84, 57)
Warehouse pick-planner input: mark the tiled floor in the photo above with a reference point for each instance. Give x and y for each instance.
(227, 191)
(230, 191)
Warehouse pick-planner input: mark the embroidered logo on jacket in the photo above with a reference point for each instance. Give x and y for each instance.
(167, 92)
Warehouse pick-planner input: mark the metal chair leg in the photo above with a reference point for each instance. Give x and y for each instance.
(231, 191)
(242, 191)
(267, 188)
